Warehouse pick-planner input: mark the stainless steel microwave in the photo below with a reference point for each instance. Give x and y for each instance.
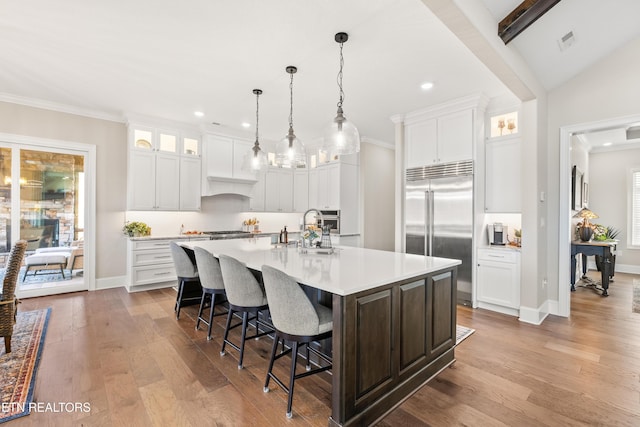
(331, 218)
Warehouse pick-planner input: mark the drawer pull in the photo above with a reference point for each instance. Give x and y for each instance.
(164, 256)
(162, 274)
(496, 256)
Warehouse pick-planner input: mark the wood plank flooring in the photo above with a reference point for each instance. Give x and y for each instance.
(136, 365)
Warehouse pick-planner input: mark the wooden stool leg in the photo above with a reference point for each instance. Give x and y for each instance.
(7, 344)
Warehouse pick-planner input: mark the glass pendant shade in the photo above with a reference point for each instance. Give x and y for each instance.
(290, 151)
(341, 136)
(255, 159)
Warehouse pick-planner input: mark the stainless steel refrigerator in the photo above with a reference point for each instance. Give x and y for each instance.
(439, 216)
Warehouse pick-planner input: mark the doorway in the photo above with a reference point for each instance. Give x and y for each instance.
(564, 240)
(44, 199)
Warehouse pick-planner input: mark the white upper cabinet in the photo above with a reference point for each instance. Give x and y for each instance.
(422, 140)
(443, 139)
(157, 171)
(300, 190)
(443, 133)
(455, 137)
(503, 176)
(190, 172)
(336, 186)
(279, 190)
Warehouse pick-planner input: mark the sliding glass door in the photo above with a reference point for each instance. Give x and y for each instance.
(43, 201)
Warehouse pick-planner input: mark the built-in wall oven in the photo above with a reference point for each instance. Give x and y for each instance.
(331, 218)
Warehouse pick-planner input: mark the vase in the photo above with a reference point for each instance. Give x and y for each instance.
(585, 234)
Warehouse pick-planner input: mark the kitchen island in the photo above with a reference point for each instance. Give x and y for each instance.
(394, 318)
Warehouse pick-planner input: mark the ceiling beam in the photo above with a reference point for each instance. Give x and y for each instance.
(522, 16)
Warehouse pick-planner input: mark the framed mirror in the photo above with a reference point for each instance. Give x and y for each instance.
(576, 188)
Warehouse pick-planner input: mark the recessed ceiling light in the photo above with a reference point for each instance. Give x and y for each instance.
(198, 113)
(426, 85)
(607, 144)
(246, 125)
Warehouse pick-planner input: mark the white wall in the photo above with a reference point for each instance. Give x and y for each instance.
(110, 139)
(608, 190)
(609, 89)
(377, 172)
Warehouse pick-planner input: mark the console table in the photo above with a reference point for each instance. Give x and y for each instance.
(592, 248)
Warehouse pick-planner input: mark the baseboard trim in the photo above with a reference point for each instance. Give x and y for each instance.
(627, 268)
(110, 282)
(535, 316)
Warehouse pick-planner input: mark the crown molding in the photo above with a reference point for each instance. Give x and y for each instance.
(478, 101)
(378, 143)
(61, 108)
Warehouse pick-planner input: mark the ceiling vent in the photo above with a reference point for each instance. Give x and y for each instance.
(633, 133)
(566, 41)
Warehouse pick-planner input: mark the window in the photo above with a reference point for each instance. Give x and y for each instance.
(634, 209)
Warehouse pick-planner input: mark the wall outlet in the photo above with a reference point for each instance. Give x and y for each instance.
(544, 283)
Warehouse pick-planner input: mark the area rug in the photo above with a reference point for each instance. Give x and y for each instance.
(42, 276)
(636, 296)
(463, 333)
(18, 368)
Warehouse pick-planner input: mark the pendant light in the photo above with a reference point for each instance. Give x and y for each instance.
(341, 136)
(290, 151)
(258, 158)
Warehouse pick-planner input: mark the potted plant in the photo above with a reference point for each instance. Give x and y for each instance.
(136, 229)
(606, 234)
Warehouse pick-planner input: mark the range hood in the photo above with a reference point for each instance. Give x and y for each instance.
(216, 185)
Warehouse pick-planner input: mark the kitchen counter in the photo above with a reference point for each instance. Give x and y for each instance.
(179, 236)
(394, 318)
(347, 271)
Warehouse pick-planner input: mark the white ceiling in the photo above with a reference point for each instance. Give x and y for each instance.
(167, 59)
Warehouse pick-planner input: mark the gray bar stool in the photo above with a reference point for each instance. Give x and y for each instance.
(246, 296)
(212, 285)
(189, 288)
(296, 320)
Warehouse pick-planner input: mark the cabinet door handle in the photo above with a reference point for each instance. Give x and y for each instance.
(162, 274)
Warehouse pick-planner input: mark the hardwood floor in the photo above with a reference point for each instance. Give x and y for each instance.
(135, 364)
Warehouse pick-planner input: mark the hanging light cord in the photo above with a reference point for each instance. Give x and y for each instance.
(339, 78)
(291, 102)
(257, 108)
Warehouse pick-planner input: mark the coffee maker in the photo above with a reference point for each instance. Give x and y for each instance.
(497, 233)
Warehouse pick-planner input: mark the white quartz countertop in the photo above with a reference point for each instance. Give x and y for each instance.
(347, 271)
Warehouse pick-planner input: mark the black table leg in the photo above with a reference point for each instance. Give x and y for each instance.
(573, 272)
(606, 269)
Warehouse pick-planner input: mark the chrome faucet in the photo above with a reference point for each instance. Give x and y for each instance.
(304, 218)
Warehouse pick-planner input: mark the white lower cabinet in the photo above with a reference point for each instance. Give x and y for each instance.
(150, 265)
(498, 280)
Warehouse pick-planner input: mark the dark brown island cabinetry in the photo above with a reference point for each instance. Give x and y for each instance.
(390, 341)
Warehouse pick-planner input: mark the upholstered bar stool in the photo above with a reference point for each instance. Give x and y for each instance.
(189, 289)
(212, 285)
(296, 320)
(246, 296)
